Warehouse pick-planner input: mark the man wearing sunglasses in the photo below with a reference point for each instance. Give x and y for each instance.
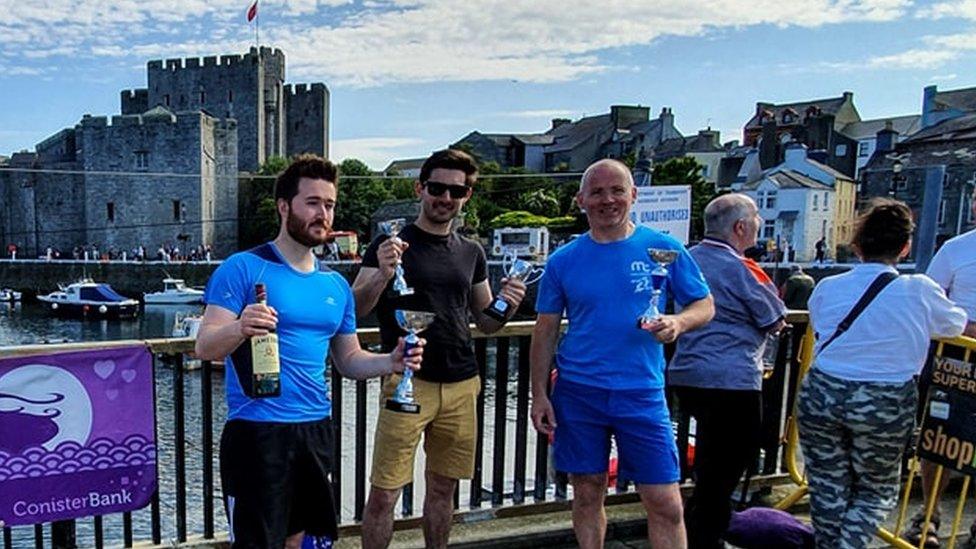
(449, 275)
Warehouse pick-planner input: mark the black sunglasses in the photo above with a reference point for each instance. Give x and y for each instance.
(436, 188)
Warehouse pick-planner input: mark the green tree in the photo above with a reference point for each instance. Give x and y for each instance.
(257, 216)
(687, 171)
(540, 202)
(360, 194)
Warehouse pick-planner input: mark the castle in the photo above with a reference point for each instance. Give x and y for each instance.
(165, 170)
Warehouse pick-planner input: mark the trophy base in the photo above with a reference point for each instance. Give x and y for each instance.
(644, 321)
(494, 314)
(404, 291)
(403, 407)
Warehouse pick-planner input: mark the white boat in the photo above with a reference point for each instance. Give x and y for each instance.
(89, 299)
(187, 325)
(9, 296)
(175, 291)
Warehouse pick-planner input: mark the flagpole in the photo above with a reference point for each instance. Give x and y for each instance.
(257, 27)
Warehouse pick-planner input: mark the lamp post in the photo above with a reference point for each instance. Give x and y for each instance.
(897, 178)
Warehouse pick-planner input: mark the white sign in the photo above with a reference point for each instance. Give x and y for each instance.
(665, 208)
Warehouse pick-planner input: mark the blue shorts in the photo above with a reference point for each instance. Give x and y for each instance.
(638, 420)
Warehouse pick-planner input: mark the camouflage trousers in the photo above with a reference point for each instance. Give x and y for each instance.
(853, 435)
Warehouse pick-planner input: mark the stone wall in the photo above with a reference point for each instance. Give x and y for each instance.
(307, 115)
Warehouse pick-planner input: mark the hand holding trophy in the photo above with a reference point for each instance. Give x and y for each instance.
(662, 258)
(515, 269)
(392, 228)
(412, 322)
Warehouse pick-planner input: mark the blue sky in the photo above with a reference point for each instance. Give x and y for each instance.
(411, 76)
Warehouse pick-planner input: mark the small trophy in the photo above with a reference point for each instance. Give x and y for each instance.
(412, 322)
(662, 258)
(392, 228)
(517, 269)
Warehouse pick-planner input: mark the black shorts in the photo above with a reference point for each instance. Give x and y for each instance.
(276, 481)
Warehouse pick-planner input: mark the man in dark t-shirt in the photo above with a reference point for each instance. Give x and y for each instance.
(449, 275)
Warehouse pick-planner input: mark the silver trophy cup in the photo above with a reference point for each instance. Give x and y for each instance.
(661, 258)
(517, 269)
(412, 322)
(392, 228)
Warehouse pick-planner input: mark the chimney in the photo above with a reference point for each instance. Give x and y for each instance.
(710, 137)
(795, 155)
(749, 171)
(886, 138)
(556, 122)
(848, 96)
(928, 106)
(769, 147)
(625, 116)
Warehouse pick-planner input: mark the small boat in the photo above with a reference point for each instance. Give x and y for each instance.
(89, 299)
(187, 325)
(9, 296)
(175, 291)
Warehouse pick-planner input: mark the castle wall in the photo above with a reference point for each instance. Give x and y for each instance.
(307, 112)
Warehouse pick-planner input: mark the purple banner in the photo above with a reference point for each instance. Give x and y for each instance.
(77, 434)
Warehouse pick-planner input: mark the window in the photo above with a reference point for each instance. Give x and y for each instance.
(942, 212)
(815, 199)
(901, 183)
(230, 96)
(823, 229)
(864, 148)
(110, 211)
(178, 210)
(769, 228)
(203, 97)
(826, 200)
(142, 160)
(841, 150)
(210, 208)
(770, 199)
(704, 172)
(166, 99)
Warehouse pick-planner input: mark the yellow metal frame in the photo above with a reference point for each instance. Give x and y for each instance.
(792, 439)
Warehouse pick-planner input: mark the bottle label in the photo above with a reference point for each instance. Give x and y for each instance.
(264, 354)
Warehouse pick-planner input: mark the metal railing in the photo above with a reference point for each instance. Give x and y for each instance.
(512, 465)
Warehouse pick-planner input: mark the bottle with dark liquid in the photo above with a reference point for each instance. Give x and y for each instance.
(256, 360)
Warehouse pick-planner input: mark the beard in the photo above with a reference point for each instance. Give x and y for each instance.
(301, 232)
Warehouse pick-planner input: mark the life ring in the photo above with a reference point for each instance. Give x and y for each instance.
(102, 309)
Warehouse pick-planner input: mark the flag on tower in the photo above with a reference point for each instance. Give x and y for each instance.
(252, 11)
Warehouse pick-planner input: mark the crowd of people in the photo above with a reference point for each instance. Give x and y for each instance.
(857, 405)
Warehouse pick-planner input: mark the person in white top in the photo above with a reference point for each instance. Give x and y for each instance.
(954, 269)
(856, 408)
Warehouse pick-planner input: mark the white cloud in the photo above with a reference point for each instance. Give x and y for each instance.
(935, 52)
(965, 9)
(551, 113)
(384, 41)
(943, 77)
(377, 152)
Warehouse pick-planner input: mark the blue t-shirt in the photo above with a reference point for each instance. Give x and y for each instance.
(603, 289)
(312, 308)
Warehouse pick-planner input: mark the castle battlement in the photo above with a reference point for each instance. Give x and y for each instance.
(304, 89)
(230, 60)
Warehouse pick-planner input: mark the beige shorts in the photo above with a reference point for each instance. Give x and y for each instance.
(448, 421)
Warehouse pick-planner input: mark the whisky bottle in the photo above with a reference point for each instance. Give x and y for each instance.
(256, 360)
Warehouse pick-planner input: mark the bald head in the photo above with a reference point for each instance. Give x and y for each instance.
(724, 211)
(607, 168)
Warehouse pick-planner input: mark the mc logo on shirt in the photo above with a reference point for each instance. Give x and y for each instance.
(640, 276)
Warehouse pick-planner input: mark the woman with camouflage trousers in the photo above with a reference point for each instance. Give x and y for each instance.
(856, 407)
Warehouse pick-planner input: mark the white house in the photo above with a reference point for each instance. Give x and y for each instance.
(797, 210)
(866, 134)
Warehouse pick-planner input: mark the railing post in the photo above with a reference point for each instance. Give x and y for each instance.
(501, 421)
(206, 417)
(63, 535)
(179, 441)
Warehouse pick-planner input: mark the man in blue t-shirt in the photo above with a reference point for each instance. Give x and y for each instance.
(611, 373)
(276, 452)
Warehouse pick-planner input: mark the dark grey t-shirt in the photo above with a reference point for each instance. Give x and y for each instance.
(727, 352)
(442, 271)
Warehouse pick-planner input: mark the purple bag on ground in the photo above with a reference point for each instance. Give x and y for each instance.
(765, 528)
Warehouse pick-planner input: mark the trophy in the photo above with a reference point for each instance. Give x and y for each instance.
(392, 228)
(662, 258)
(412, 322)
(517, 269)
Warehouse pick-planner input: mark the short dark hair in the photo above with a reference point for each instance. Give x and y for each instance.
(883, 229)
(451, 159)
(304, 165)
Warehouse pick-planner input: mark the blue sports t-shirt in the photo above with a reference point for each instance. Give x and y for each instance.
(312, 308)
(603, 289)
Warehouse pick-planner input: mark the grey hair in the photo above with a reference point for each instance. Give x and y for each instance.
(606, 162)
(723, 211)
